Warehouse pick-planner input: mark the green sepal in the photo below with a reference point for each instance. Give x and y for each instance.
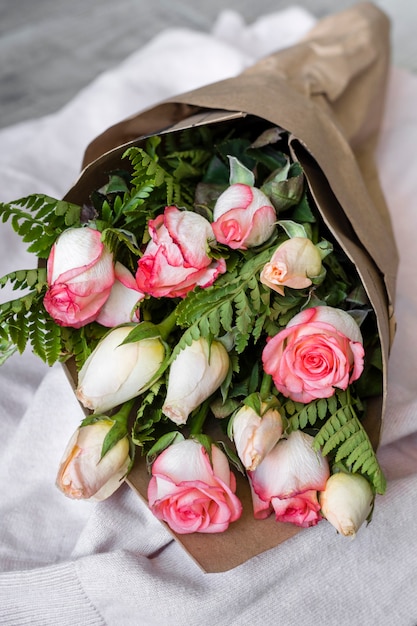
(117, 432)
(239, 173)
(317, 280)
(231, 456)
(293, 229)
(93, 419)
(285, 187)
(325, 248)
(254, 401)
(302, 211)
(205, 440)
(223, 408)
(141, 331)
(164, 442)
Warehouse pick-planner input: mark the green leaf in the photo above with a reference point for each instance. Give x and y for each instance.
(293, 229)
(116, 433)
(239, 173)
(141, 331)
(168, 439)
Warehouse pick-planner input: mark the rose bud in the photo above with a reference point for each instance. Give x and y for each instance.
(196, 373)
(80, 276)
(346, 502)
(320, 349)
(83, 472)
(287, 481)
(191, 491)
(176, 259)
(293, 264)
(243, 217)
(115, 373)
(121, 305)
(255, 436)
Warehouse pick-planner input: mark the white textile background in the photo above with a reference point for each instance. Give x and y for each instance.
(64, 562)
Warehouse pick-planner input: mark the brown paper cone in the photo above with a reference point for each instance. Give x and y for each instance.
(328, 93)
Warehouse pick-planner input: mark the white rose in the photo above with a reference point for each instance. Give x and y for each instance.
(83, 473)
(115, 373)
(197, 371)
(346, 502)
(255, 436)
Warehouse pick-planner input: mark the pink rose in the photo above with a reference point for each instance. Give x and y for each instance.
(121, 305)
(176, 259)
(287, 481)
(320, 349)
(243, 217)
(293, 264)
(80, 276)
(191, 492)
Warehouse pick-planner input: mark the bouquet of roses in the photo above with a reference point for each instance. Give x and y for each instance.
(201, 281)
(219, 285)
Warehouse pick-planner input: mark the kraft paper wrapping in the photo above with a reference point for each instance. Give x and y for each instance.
(328, 93)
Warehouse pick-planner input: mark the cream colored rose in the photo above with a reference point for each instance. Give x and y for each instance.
(83, 472)
(294, 263)
(255, 436)
(346, 502)
(115, 373)
(194, 375)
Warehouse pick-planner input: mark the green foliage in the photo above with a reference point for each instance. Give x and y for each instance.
(24, 321)
(339, 433)
(169, 178)
(166, 440)
(189, 169)
(236, 303)
(39, 219)
(148, 415)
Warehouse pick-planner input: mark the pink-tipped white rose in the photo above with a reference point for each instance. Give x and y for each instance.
(83, 474)
(80, 276)
(346, 502)
(243, 217)
(294, 263)
(287, 481)
(176, 259)
(196, 373)
(319, 350)
(115, 373)
(121, 305)
(192, 492)
(255, 436)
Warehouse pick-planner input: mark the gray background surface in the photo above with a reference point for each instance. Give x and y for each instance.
(50, 49)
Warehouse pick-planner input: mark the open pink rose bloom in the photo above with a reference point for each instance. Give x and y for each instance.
(176, 260)
(320, 349)
(192, 493)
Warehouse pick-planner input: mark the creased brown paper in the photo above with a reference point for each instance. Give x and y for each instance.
(328, 93)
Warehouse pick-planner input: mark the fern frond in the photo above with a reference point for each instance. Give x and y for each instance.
(148, 415)
(24, 279)
(344, 433)
(44, 337)
(39, 219)
(225, 306)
